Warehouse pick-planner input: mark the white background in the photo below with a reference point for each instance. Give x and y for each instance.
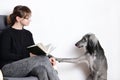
(64, 22)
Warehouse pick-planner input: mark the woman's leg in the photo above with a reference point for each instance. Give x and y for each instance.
(25, 66)
(40, 72)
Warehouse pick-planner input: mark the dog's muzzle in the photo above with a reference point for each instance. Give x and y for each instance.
(78, 45)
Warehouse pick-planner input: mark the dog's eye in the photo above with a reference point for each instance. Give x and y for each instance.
(84, 39)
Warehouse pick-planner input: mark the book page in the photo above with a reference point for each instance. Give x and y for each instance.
(46, 48)
(49, 48)
(42, 47)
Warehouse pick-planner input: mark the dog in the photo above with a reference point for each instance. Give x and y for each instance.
(94, 57)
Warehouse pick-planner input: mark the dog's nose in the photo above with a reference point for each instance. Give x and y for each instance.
(76, 44)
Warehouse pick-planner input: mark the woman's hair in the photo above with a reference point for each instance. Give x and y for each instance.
(20, 11)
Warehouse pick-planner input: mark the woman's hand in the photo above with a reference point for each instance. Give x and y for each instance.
(31, 55)
(52, 61)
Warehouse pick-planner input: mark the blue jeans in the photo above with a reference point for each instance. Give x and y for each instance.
(39, 66)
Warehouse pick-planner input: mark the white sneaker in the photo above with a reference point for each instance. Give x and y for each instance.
(1, 75)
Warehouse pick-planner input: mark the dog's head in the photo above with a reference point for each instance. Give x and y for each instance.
(89, 42)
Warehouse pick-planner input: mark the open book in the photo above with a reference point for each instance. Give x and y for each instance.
(40, 49)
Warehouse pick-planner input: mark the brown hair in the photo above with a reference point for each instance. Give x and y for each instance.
(20, 11)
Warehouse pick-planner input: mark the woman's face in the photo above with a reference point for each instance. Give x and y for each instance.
(25, 21)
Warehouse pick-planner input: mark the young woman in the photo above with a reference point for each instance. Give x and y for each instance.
(16, 60)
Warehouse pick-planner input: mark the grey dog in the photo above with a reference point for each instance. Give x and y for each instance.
(94, 57)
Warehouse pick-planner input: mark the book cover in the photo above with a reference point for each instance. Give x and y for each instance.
(40, 49)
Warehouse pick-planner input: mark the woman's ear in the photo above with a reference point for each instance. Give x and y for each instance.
(18, 19)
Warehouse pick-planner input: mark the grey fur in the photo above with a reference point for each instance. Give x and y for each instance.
(93, 56)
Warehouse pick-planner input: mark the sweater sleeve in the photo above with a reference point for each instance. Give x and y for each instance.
(6, 53)
(31, 40)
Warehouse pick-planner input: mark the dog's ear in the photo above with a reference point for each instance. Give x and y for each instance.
(90, 46)
(92, 43)
(93, 38)
(99, 47)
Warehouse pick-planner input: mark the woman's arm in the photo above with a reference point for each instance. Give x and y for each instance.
(5, 46)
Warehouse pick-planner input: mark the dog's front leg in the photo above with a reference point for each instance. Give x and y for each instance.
(80, 59)
(69, 60)
(96, 76)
